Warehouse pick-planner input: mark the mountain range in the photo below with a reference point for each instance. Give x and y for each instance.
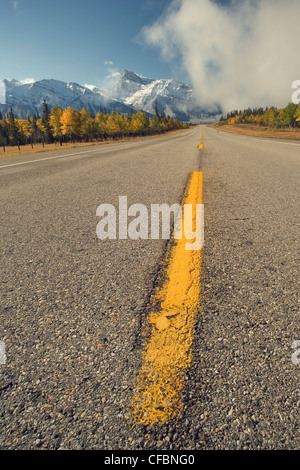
(131, 93)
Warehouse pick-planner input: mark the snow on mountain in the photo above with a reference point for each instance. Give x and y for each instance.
(27, 99)
(131, 93)
(128, 84)
(165, 96)
(27, 81)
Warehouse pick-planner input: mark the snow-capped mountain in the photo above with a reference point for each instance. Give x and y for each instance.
(162, 96)
(27, 99)
(128, 84)
(132, 93)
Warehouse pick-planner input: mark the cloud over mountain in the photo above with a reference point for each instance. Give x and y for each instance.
(240, 53)
(131, 93)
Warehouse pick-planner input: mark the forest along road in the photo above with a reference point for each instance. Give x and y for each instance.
(74, 309)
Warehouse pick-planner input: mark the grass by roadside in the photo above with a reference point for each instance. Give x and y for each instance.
(37, 148)
(259, 131)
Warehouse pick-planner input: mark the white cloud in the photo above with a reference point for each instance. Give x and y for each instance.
(243, 54)
(15, 5)
(90, 87)
(27, 81)
(113, 74)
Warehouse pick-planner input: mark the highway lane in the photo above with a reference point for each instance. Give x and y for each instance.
(73, 308)
(72, 305)
(248, 387)
(81, 151)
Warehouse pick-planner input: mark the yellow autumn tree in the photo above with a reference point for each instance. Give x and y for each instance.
(41, 129)
(126, 125)
(25, 127)
(297, 113)
(113, 125)
(70, 121)
(100, 122)
(154, 125)
(55, 122)
(87, 125)
(139, 123)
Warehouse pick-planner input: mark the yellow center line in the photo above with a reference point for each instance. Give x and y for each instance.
(201, 145)
(167, 356)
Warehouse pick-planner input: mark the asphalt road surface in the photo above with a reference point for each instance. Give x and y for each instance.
(73, 307)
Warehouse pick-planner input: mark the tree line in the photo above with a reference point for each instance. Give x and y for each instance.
(70, 125)
(272, 117)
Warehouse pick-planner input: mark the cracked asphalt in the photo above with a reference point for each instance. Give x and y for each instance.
(73, 313)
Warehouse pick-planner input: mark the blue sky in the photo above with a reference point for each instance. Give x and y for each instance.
(78, 40)
(239, 53)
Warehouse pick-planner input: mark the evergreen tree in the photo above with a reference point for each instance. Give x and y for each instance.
(14, 133)
(34, 129)
(46, 123)
(3, 135)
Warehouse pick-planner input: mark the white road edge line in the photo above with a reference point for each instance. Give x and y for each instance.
(73, 154)
(51, 158)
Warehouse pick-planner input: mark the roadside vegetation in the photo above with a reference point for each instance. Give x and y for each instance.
(280, 123)
(272, 117)
(69, 125)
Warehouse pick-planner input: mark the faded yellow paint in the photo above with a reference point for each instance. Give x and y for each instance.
(168, 354)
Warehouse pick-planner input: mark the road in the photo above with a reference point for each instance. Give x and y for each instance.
(73, 312)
